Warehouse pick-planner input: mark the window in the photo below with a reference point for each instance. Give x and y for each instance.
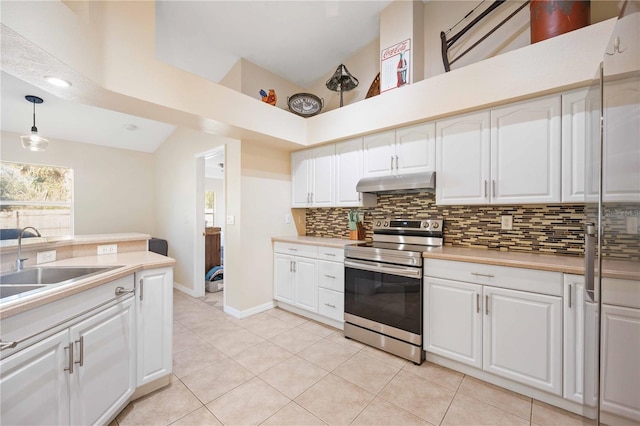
(38, 196)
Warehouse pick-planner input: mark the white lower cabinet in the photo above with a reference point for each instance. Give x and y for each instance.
(154, 322)
(505, 331)
(331, 304)
(83, 374)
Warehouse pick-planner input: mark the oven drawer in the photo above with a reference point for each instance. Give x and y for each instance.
(331, 304)
(331, 253)
(532, 280)
(296, 249)
(331, 275)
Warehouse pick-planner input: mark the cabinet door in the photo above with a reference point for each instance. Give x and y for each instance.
(349, 171)
(525, 152)
(154, 309)
(620, 385)
(621, 164)
(104, 358)
(34, 388)
(522, 338)
(416, 149)
(331, 304)
(379, 154)
(463, 160)
(283, 278)
(323, 181)
(453, 320)
(301, 172)
(306, 283)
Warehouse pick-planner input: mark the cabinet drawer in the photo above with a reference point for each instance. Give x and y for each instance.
(331, 304)
(296, 249)
(532, 280)
(331, 253)
(331, 275)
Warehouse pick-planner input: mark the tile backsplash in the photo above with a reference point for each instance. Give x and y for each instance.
(553, 229)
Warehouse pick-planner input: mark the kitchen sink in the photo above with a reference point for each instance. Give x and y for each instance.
(7, 290)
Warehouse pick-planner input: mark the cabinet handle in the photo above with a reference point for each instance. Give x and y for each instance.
(311, 197)
(81, 345)
(330, 305)
(294, 266)
(359, 196)
(330, 276)
(486, 304)
(70, 367)
(141, 289)
(291, 266)
(396, 162)
(121, 290)
(493, 188)
(330, 254)
(7, 345)
(308, 197)
(477, 303)
(570, 291)
(485, 189)
(478, 274)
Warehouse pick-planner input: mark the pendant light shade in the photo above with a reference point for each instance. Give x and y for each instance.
(342, 81)
(32, 141)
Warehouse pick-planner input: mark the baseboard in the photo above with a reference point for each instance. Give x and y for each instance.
(248, 312)
(190, 291)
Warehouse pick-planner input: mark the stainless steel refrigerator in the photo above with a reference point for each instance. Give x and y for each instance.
(607, 317)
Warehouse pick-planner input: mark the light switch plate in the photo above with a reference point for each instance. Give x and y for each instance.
(231, 220)
(287, 218)
(507, 223)
(45, 256)
(108, 249)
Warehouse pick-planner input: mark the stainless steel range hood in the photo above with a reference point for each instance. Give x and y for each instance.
(417, 182)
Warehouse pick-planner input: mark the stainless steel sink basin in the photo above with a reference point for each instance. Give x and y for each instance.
(51, 275)
(7, 290)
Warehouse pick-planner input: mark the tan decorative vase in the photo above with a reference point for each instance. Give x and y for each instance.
(550, 18)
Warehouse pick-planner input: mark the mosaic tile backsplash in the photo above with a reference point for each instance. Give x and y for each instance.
(553, 229)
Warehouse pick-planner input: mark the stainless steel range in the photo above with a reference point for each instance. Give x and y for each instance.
(383, 286)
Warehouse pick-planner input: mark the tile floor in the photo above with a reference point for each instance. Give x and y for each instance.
(277, 368)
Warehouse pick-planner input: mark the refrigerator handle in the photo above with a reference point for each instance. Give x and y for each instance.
(589, 259)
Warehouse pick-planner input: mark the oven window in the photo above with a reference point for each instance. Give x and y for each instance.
(384, 298)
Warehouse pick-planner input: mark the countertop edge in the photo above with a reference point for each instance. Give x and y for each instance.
(315, 241)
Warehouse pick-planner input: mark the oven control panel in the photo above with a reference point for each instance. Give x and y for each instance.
(408, 224)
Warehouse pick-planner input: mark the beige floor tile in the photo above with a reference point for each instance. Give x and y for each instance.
(249, 404)
(338, 337)
(317, 328)
(195, 358)
(435, 373)
(214, 329)
(293, 376)
(288, 317)
(293, 415)
(367, 372)
(383, 413)
(269, 327)
(385, 356)
(548, 415)
(335, 400)
(234, 343)
(262, 356)
(418, 396)
(468, 411)
(196, 318)
(161, 407)
(501, 398)
(184, 339)
(209, 383)
(200, 417)
(252, 320)
(327, 354)
(295, 339)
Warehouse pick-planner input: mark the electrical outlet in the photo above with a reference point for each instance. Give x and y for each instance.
(632, 225)
(45, 256)
(507, 223)
(108, 249)
(287, 218)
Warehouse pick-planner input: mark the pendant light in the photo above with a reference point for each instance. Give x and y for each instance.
(33, 142)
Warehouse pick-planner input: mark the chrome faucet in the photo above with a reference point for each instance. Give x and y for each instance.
(20, 260)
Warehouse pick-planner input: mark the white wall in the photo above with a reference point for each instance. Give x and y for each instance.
(113, 188)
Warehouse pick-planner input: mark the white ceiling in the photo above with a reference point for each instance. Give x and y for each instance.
(297, 40)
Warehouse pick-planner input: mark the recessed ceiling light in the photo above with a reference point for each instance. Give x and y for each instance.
(57, 82)
(130, 127)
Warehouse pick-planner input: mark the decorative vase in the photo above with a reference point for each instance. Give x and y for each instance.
(550, 18)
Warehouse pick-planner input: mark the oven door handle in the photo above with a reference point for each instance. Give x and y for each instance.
(384, 268)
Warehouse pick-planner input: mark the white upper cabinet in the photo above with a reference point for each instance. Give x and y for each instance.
(349, 170)
(403, 151)
(463, 160)
(508, 155)
(621, 162)
(525, 152)
(312, 176)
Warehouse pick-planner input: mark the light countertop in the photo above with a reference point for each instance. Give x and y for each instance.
(129, 263)
(316, 241)
(34, 243)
